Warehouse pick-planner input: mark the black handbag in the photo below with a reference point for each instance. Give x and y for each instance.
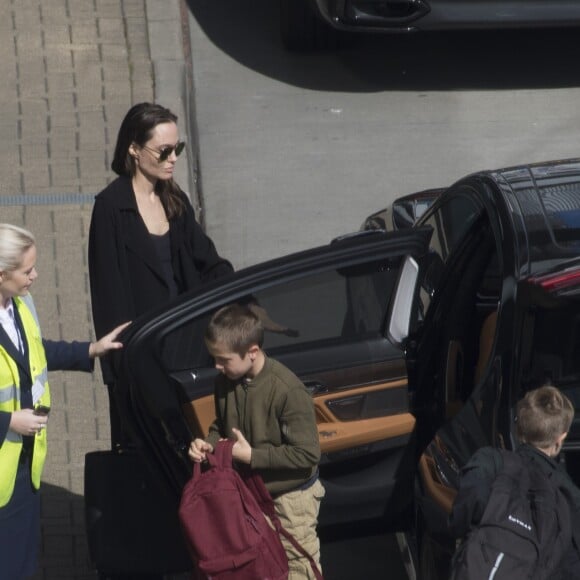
(132, 526)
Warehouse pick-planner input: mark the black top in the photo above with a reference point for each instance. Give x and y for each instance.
(163, 249)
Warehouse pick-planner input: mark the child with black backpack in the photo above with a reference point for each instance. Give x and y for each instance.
(519, 512)
(266, 410)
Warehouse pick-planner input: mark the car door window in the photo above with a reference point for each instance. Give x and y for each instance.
(450, 222)
(551, 345)
(325, 312)
(337, 305)
(455, 356)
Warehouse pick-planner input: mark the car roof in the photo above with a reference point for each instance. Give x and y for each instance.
(544, 199)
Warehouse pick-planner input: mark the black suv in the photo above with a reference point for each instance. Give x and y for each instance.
(414, 343)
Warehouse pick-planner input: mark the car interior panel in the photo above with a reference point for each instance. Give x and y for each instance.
(455, 340)
(336, 434)
(459, 343)
(369, 486)
(366, 433)
(439, 493)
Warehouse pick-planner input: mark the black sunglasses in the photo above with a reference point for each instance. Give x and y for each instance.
(167, 151)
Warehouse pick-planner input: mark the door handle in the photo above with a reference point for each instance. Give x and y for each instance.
(315, 387)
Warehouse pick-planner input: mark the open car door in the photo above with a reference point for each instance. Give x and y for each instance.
(333, 316)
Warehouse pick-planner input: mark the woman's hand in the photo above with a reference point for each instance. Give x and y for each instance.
(198, 450)
(25, 422)
(108, 342)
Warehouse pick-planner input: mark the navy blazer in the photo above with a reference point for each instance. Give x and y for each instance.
(60, 356)
(126, 274)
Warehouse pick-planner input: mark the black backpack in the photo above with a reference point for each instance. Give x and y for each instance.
(525, 529)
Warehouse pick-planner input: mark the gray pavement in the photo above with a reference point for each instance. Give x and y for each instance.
(70, 70)
(299, 148)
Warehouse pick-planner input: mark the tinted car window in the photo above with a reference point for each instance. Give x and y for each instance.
(555, 347)
(330, 306)
(450, 222)
(552, 353)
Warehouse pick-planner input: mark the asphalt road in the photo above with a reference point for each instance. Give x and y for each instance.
(295, 149)
(371, 558)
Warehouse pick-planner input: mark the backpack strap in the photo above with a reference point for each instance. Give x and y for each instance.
(222, 457)
(222, 454)
(284, 532)
(260, 492)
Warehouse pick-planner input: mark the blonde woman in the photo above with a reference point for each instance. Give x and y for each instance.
(25, 359)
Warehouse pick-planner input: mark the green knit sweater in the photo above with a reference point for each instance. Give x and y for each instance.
(275, 413)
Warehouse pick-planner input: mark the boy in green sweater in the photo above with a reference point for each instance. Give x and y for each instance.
(268, 412)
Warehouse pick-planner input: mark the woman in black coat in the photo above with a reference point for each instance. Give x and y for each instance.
(145, 246)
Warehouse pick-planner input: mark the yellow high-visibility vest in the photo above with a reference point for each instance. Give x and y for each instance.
(10, 401)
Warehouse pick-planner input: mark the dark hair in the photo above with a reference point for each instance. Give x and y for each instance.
(236, 327)
(137, 127)
(543, 415)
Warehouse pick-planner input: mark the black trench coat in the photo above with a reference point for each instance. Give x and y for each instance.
(126, 275)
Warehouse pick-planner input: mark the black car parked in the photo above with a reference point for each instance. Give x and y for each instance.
(307, 24)
(414, 343)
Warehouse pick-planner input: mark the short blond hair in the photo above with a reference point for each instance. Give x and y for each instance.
(14, 241)
(543, 415)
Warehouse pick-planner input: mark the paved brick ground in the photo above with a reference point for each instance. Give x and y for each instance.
(69, 71)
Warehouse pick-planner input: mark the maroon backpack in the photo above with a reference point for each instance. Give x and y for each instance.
(222, 514)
